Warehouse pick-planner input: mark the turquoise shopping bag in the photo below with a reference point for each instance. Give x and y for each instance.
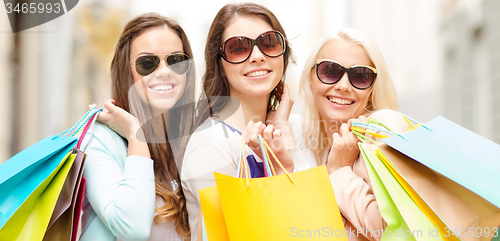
(455, 152)
(22, 174)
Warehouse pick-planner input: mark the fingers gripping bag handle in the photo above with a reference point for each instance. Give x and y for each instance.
(243, 169)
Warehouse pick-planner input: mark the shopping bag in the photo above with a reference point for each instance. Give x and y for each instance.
(38, 218)
(31, 183)
(456, 211)
(23, 173)
(294, 206)
(61, 225)
(456, 153)
(407, 217)
(389, 211)
(214, 224)
(78, 209)
(465, 214)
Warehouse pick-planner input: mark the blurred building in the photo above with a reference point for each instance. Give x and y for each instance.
(470, 37)
(441, 56)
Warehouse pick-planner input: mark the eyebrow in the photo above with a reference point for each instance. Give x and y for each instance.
(149, 53)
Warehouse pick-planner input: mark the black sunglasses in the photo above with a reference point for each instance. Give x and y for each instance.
(330, 72)
(147, 64)
(238, 49)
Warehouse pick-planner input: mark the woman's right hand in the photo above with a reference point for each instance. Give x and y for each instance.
(274, 139)
(119, 120)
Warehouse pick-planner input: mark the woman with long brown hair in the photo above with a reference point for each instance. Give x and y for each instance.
(246, 55)
(133, 190)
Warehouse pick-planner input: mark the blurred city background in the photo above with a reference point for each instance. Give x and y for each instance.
(441, 55)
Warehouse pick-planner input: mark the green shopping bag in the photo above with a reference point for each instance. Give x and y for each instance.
(405, 220)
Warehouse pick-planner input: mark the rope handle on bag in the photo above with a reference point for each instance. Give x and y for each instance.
(268, 170)
(265, 154)
(243, 164)
(275, 158)
(411, 125)
(358, 127)
(244, 169)
(83, 131)
(78, 123)
(81, 123)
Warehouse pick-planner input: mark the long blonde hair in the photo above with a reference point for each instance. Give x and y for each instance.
(383, 94)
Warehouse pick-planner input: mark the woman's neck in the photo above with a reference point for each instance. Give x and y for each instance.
(249, 109)
(331, 127)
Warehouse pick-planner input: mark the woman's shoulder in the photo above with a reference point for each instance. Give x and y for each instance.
(391, 119)
(213, 132)
(216, 135)
(106, 137)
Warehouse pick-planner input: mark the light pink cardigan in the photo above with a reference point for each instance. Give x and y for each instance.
(353, 190)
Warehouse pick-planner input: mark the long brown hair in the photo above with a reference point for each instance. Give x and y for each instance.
(164, 154)
(215, 82)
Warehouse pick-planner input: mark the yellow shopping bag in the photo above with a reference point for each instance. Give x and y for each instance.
(295, 206)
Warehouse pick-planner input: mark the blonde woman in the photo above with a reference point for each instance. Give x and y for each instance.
(344, 80)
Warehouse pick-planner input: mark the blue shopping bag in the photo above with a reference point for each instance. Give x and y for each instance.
(22, 174)
(455, 152)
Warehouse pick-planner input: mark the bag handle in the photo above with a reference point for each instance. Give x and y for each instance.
(84, 131)
(267, 167)
(243, 168)
(81, 123)
(275, 158)
(411, 125)
(358, 127)
(81, 129)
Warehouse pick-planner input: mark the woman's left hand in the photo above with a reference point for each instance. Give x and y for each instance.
(119, 120)
(344, 150)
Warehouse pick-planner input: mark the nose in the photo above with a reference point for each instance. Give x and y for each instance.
(343, 85)
(163, 70)
(257, 55)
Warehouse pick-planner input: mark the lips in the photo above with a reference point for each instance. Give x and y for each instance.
(162, 87)
(340, 101)
(257, 73)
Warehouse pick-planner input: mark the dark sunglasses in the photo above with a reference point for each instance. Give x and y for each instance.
(147, 64)
(330, 72)
(238, 49)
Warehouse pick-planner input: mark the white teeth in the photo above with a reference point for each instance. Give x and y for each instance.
(163, 87)
(340, 101)
(257, 73)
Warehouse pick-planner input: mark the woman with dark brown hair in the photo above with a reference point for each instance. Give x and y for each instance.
(246, 55)
(133, 190)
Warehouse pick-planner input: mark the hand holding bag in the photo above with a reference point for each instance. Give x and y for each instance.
(294, 206)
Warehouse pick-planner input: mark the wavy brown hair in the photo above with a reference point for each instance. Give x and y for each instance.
(165, 154)
(215, 82)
